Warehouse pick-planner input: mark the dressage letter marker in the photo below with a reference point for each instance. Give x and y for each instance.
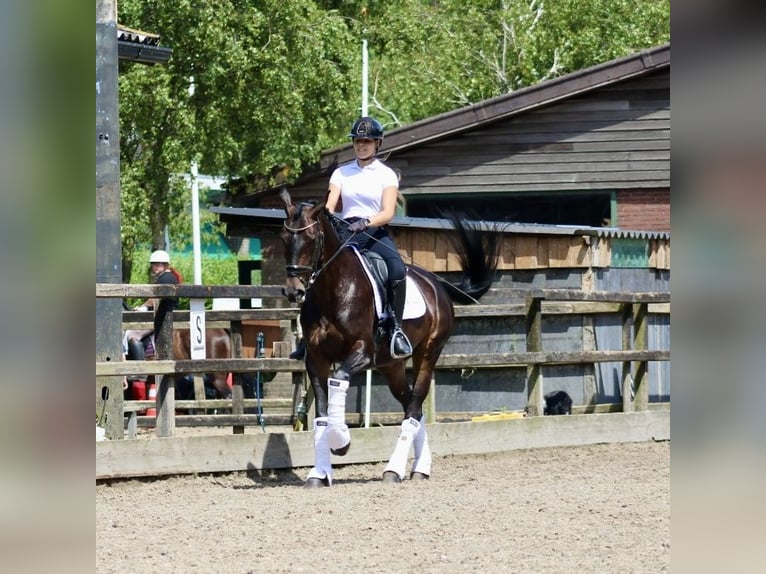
(197, 328)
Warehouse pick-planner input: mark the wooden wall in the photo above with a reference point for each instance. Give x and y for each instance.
(431, 249)
(614, 138)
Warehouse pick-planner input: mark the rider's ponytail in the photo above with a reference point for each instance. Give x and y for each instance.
(177, 274)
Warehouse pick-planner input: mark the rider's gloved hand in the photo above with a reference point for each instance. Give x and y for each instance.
(359, 225)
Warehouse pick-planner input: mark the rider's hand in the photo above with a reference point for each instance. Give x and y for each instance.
(359, 225)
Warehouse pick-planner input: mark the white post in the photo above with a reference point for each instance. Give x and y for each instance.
(365, 106)
(196, 306)
(365, 111)
(368, 393)
(195, 212)
(195, 226)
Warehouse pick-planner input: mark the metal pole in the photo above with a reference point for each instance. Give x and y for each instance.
(196, 242)
(368, 393)
(365, 106)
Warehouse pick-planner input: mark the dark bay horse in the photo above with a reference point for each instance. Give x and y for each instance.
(217, 346)
(340, 321)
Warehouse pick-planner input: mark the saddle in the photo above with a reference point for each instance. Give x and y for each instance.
(377, 273)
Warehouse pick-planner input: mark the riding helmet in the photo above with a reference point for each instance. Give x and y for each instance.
(367, 128)
(159, 256)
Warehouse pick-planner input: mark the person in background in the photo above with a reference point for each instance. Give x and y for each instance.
(368, 190)
(160, 273)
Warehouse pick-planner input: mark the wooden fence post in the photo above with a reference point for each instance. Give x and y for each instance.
(641, 383)
(237, 393)
(534, 345)
(166, 391)
(627, 366)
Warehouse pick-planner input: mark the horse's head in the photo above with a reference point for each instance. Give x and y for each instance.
(304, 244)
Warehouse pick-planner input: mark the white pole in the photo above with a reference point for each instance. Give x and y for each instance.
(365, 106)
(196, 242)
(365, 111)
(367, 399)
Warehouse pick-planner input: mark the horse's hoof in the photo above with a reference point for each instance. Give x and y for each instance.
(390, 477)
(316, 482)
(341, 451)
(418, 476)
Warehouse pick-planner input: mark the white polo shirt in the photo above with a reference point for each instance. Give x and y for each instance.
(361, 189)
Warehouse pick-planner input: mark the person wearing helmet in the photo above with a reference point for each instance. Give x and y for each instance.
(160, 273)
(368, 190)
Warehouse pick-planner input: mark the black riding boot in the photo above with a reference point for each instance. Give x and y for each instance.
(300, 350)
(400, 344)
(136, 350)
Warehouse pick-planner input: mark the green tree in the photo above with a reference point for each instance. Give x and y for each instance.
(270, 81)
(276, 82)
(429, 57)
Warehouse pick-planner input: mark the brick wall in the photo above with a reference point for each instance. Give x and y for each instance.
(644, 210)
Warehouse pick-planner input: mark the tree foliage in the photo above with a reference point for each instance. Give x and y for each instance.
(276, 82)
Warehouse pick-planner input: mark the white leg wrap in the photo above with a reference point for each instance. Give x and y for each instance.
(398, 460)
(322, 466)
(422, 462)
(337, 429)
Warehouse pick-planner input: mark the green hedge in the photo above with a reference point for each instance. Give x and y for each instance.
(218, 270)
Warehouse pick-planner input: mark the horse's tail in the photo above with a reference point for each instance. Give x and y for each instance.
(478, 248)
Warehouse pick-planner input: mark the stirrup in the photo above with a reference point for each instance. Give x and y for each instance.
(406, 347)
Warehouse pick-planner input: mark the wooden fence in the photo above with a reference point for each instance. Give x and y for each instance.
(633, 308)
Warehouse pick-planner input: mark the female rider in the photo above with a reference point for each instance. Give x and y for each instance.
(368, 190)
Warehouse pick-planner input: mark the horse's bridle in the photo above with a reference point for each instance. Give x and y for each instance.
(299, 270)
(316, 265)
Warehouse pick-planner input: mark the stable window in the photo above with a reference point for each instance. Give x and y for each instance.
(592, 209)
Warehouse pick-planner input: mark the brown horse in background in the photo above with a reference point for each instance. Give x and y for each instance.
(217, 346)
(341, 326)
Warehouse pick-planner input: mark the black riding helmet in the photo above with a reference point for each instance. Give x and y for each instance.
(367, 128)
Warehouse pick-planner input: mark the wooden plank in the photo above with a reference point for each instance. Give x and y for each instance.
(227, 453)
(527, 252)
(354, 419)
(208, 404)
(533, 165)
(442, 248)
(187, 290)
(507, 259)
(446, 361)
(423, 247)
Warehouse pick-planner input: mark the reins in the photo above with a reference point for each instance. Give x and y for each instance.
(316, 268)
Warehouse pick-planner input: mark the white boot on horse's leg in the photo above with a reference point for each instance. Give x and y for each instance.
(321, 474)
(338, 436)
(421, 466)
(397, 464)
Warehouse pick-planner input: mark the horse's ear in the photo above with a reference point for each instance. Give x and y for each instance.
(318, 208)
(284, 195)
